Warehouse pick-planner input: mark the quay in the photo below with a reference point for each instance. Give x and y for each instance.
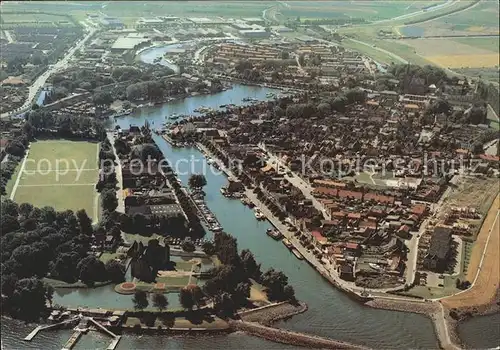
(310, 258)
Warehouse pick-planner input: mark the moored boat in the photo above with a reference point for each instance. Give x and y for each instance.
(297, 254)
(287, 243)
(274, 234)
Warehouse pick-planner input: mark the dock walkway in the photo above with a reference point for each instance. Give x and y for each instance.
(72, 341)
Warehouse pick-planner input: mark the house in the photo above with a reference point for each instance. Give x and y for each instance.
(110, 243)
(319, 239)
(439, 249)
(346, 272)
(353, 248)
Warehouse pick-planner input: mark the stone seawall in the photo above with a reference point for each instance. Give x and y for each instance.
(271, 313)
(292, 338)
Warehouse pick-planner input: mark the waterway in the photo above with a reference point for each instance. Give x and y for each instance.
(331, 313)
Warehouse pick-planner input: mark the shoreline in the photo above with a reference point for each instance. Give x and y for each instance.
(444, 329)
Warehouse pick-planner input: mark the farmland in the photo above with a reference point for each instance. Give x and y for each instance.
(453, 53)
(61, 174)
(368, 10)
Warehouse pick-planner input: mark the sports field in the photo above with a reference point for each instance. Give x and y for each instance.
(488, 280)
(61, 174)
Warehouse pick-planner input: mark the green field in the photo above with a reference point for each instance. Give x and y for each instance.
(30, 17)
(50, 176)
(481, 43)
(369, 10)
(483, 14)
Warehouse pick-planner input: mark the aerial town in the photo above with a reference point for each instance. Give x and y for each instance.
(173, 171)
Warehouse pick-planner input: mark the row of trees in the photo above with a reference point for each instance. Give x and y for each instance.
(41, 121)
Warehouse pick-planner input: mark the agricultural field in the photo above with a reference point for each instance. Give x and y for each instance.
(452, 53)
(61, 174)
(191, 9)
(478, 19)
(368, 10)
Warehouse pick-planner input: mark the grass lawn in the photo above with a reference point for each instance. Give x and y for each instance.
(51, 178)
(105, 257)
(173, 281)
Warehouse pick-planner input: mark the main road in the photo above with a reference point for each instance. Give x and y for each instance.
(40, 81)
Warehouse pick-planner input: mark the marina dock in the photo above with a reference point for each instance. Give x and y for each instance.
(72, 341)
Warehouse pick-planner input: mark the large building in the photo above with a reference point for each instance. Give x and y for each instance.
(254, 33)
(130, 42)
(112, 22)
(439, 249)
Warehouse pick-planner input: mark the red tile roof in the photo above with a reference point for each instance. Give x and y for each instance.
(350, 245)
(350, 194)
(489, 157)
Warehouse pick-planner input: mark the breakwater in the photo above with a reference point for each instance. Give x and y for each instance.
(268, 314)
(289, 337)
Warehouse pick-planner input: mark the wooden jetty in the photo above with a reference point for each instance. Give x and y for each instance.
(35, 331)
(73, 340)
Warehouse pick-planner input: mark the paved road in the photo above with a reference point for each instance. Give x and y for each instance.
(40, 81)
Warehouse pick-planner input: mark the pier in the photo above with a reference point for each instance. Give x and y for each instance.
(35, 331)
(73, 340)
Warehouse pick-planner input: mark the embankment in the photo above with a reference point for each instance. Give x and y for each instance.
(268, 314)
(292, 338)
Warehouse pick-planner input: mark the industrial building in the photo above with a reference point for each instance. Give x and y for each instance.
(254, 33)
(112, 22)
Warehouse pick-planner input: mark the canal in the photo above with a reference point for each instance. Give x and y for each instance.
(330, 314)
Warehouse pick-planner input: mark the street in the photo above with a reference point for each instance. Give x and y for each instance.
(40, 81)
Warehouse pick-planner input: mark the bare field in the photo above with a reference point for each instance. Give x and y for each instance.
(454, 54)
(486, 285)
(461, 61)
(472, 192)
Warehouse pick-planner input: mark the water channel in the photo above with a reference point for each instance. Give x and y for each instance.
(331, 313)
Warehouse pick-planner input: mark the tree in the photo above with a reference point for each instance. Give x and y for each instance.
(49, 293)
(28, 299)
(160, 301)
(197, 181)
(208, 248)
(186, 298)
(102, 98)
(109, 201)
(9, 207)
(140, 300)
(289, 293)
(25, 209)
(275, 281)
(224, 305)
(242, 293)
(188, 245)
(115, 271)
(252, 269)
(85, 222)
(8, 224)
(90, 269)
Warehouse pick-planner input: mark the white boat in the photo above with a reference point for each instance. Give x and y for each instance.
(258, 214)
(375, 266)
